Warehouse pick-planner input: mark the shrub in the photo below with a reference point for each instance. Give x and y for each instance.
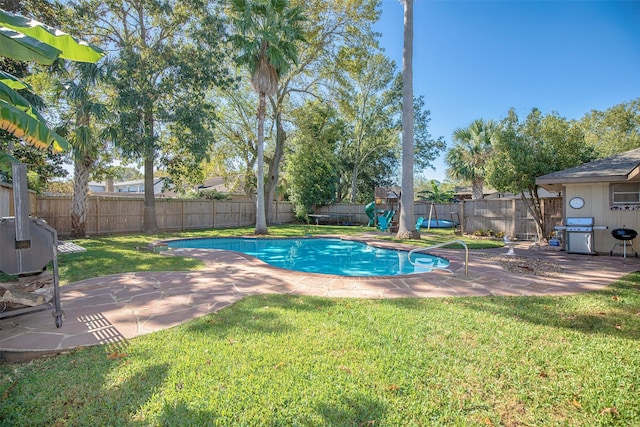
(212, 194)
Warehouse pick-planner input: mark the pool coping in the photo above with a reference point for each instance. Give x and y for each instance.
(453, 267)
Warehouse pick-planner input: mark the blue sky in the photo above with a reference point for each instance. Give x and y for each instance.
(476, 59)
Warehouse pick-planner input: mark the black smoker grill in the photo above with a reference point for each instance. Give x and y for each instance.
(27, 245)
(625, 235)
(579, 234)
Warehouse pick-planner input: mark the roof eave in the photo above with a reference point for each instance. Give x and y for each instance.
(556, 184)
(634, 175)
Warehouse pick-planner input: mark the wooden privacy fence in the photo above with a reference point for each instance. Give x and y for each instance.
(509, 216)
(6, 200)
(113, 215)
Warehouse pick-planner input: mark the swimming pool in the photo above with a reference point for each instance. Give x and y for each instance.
(322, 255)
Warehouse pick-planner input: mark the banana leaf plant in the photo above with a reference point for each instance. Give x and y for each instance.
(29, 40)
(68, 46)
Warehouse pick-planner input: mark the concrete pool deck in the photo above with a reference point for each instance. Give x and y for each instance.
(113, 309)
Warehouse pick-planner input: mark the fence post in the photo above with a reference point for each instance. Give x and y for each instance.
(462, 218)
(543, 215)
(98, 210)
(213, 214)
(513, 219)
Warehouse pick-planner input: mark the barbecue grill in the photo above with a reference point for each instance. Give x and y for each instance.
(579, 234)
(27, 245)
(625, 235)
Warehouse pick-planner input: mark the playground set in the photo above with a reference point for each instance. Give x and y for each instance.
(382, 212)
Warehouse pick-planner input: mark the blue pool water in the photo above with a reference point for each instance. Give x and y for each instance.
(326, 256)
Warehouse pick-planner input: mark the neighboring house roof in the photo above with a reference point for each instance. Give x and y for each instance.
(467, 190)
(462, 192)
(137, 184)
(622, 167)
(225, 185)
(134, 182)
(217, 183)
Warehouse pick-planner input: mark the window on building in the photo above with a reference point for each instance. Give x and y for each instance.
(625, 194)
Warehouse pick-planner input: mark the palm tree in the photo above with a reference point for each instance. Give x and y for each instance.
(266, 33)
(86, 146)
(473, 149)
(407, 229)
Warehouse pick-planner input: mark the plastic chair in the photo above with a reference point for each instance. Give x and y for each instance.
(383, 223)
(419, 223)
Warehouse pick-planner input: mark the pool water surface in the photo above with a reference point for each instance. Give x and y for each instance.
(322, 255)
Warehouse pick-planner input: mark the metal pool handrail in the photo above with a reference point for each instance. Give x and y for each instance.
(439, 245)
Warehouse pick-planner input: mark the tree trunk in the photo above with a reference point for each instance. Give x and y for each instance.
(407, 229)
(274, 169)
(534, 208)
(150, 222)
(82, 163)
(354, 183)
(261, 222)
(477, 189)
(79, 200)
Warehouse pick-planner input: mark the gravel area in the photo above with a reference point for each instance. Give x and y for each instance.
(525, 265)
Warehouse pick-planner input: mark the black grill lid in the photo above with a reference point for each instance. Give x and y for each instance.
(624, 233)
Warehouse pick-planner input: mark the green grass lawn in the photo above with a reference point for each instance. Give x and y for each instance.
(289, 360)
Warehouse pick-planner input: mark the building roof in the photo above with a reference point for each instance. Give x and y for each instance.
(223, 185)
(622, 167)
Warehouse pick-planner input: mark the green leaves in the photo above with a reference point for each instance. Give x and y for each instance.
(539, 145)
(29, 40)
(266, 36)
(614, 130)
(473, 148)
(14, 44)
(49, 39)
(435, 193)
(311, 169)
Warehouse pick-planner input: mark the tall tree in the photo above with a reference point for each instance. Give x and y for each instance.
(165, 55)
(266, 33)
(366, 99)
(85, 108)
(407, 229)
(311, 172)
(234, 155)
(539, 145)
(330, 28)
(468, 158)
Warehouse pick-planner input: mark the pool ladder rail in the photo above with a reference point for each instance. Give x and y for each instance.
(439, 245)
